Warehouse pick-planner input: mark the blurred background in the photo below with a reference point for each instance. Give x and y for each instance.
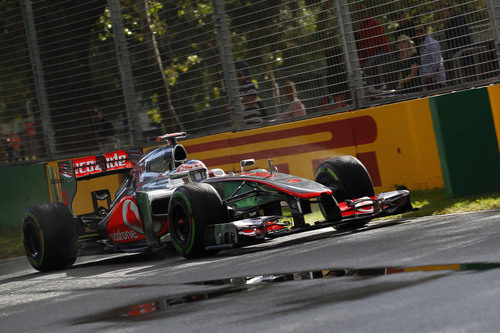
(79, 78)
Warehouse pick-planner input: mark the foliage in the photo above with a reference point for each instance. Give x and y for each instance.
(15, 80)
(287, 40)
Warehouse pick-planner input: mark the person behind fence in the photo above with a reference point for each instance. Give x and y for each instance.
(458, 38)
(252, 106)
(374, 51)
(295, 106)
(407, 66)
(406, 26)
(371, 39)
(431, 60)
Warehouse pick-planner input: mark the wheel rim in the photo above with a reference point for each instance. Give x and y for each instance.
(336, 186)
(32, 242)
(326, 180)
(180, 224)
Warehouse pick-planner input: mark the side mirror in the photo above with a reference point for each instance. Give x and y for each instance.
(271, 167)
(246, 163)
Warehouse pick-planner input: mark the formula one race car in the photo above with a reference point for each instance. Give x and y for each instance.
(166, 198)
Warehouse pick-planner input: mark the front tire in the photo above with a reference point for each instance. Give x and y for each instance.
(191, 208)
(348, 178)
(50, 236)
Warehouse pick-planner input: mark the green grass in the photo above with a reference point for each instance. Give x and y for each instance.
(432, 202)
(435, 202)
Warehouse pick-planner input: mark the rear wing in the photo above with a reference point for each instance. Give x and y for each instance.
(99, 165)
(64, 177)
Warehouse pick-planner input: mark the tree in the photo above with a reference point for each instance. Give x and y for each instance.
(64, 31)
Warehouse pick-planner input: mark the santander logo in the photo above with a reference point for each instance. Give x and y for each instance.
(131, 216)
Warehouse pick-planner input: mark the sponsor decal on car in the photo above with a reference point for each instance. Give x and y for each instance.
(120, 236)
(86, 166)
(125, 223)
(131, 216)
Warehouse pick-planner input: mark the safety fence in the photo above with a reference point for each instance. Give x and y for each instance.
(85, 77)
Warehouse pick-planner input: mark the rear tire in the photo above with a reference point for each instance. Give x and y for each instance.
(348, 178)
(191, 208)
(50, 236)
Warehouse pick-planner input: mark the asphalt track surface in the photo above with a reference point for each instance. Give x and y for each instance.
(432, 274)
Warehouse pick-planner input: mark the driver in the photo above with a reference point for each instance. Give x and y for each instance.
(196, 168)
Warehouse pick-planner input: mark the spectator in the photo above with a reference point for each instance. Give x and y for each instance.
(407, 66)
(252, 106)
(371, 38)
(295, 106)
(374, 52)
(431, 60)
(405, 25)
(458, 38)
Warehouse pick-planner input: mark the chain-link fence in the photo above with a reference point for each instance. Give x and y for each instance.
(85, 77)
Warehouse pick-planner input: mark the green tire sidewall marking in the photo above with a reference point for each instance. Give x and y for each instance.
(191, 242)
(330, 171)
(33, 260)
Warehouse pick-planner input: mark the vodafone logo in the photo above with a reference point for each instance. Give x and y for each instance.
(119, 236)
(131, 216)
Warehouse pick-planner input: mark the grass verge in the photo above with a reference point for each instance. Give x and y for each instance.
(435, 202)
(431, 202)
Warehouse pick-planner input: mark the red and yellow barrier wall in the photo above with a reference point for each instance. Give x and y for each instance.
(406, 143)
(395, 142)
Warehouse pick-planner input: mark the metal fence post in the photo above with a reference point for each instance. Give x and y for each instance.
(39, 79)
(128, 88)
(227, 60)
(350, 52)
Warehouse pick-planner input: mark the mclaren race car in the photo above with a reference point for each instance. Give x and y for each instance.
(164, 197)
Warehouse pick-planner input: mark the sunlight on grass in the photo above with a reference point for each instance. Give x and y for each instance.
(435, 202)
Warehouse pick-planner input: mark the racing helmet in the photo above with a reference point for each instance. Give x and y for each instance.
(196, 168)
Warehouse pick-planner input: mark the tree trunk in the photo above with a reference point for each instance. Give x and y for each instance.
(167, 109)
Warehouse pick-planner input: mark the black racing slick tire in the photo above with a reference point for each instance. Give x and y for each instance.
(50, 236)
(191, 208)
(348, 178)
